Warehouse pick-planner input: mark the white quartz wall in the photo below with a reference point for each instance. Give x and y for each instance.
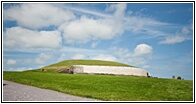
(76, 69)
(118, 70)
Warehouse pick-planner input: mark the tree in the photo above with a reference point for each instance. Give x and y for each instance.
(179, 77)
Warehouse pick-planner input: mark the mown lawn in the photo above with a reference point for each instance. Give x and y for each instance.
(108, 87)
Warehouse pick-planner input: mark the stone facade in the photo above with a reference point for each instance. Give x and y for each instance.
(116, 70)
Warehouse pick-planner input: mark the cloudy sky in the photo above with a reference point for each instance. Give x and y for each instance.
(157, 37)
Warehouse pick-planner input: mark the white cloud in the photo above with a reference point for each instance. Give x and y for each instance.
(142, 50)
(173, 39)
(138, 24)
(133, 58)
(37, 15)
(134, 24)
(95, 13)
(146, 66)
(82, 50)
(82, 29)
(85, 29)
(42, 58)
(18, 37)
(119, 9)
(39, 61)
(186, 33)
(28, 61)
(19, 69)
(121, 52)
(122, 55)
(78, 56)
(62, 57)
(185, 30)
(94, 44)
(104, 57)
(11, 62)
(171, 11)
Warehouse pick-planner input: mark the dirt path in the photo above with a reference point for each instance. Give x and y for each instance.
(18, 92)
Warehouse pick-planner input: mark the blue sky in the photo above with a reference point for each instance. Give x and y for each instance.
(157, 37)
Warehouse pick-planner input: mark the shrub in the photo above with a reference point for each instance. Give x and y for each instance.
(173, 77)
(179, 77)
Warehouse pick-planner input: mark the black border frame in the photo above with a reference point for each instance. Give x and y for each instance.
(100, 101)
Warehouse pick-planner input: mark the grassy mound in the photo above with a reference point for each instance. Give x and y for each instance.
(69, 63)
(60, 66)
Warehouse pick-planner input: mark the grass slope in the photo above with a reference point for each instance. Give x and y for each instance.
(87, 62)
(107, 87)
(67, 63)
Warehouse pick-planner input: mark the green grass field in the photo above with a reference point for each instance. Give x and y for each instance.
(108, 87)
